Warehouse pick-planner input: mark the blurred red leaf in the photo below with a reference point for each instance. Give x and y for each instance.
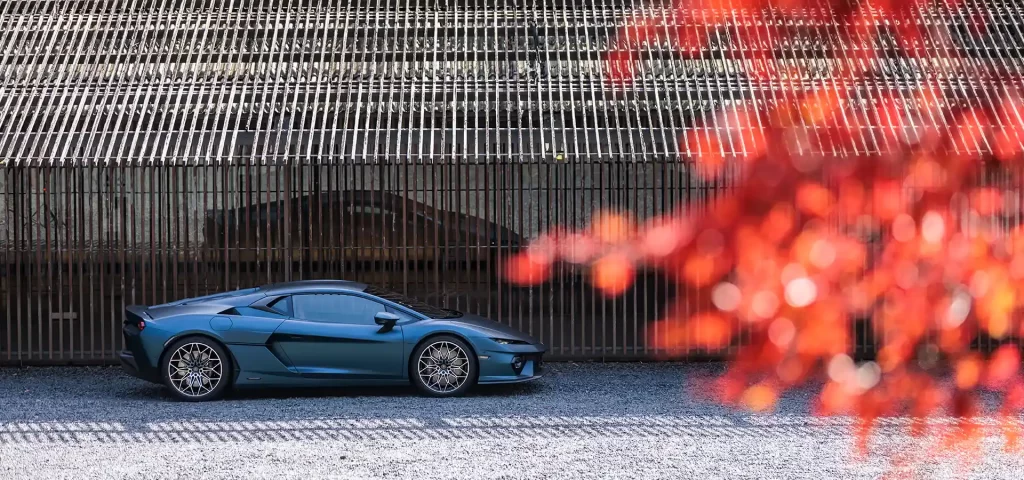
(613, 274)
(1003, 366)
(896, 209)
(526, 269)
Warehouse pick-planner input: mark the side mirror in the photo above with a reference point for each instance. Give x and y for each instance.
(386, 320)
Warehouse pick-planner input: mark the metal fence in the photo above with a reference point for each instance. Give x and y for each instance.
(156, 150)
(83, 242)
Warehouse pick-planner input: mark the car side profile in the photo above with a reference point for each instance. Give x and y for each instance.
(327, 333)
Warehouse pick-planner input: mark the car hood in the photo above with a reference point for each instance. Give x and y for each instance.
(489, 327)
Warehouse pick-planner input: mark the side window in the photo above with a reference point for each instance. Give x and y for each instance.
(283, 305)
(335, 308)
(252, 312)
(402, 313)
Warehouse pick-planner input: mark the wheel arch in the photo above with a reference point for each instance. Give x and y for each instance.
(167, 348)
(427, 337)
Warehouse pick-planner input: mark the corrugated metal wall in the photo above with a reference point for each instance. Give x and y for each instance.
(162, 149)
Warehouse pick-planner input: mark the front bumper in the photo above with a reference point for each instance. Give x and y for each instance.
(498, 367)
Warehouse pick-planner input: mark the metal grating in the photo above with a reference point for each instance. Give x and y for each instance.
(130, 129)
(174, 82)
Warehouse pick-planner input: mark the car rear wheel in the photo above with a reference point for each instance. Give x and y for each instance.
(196, 369)
(443, 366)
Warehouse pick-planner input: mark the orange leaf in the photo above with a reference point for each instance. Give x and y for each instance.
(971, 129)
(1007, 143)
(706, 151)
(613, 274)
(820, 105)
(968, 372)
(620, 66)
(994, 309)
(610, 227)
(987, 201)
(851, 198)
(1002, 366)
(814, 199)
(662, 238)
(527, 269)
(835, 399)
(748, 137)
(759, 398)
(708, 330)
(700, 269)
(888, 200)
(778, 223)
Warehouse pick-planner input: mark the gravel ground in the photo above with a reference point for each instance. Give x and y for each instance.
(581, 421)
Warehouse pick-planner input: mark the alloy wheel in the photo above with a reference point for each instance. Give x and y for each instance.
(443, 367)
(195, 369)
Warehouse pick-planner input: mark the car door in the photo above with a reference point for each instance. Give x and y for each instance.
(336, 336)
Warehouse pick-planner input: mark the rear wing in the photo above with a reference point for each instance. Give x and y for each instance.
(134, 314)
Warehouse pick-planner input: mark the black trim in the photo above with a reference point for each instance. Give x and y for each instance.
(128, 362)
(292, 337)
(538, 361)
(267, 304)
(279, 353)
(133, 357)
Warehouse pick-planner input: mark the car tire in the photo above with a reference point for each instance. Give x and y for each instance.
(443, 366)
(196, 369)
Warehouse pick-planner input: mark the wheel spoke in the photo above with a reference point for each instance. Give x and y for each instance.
(443, 367)
(195, 369)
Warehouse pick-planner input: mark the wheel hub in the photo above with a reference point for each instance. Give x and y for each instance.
(443, 367)
(195, 369)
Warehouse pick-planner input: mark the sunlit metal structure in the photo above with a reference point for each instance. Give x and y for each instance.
(161, 149)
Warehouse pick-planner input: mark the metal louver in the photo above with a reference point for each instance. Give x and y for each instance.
(138, 82)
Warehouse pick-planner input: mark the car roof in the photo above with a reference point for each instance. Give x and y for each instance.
(313, 286)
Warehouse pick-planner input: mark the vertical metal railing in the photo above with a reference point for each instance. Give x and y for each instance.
(179, 148)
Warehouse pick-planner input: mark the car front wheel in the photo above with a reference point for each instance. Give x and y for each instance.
(443, 366)
(196, 369)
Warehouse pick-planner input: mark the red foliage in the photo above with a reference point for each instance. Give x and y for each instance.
(897, 220)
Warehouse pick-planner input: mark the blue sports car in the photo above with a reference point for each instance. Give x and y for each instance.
(320, 333)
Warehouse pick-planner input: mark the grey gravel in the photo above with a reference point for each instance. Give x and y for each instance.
(580, 421)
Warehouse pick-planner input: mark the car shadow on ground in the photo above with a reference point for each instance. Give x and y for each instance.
(159, 392)
(398, 391)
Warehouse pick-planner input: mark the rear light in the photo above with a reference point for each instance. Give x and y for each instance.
(142, 325)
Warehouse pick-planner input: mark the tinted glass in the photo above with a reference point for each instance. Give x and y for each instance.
(253, 312)
(283, 305)
(332, 308)
(414, 305)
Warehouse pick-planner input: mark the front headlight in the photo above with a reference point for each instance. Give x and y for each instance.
(506, 341)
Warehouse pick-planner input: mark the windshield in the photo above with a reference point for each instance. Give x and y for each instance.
(415, 305)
